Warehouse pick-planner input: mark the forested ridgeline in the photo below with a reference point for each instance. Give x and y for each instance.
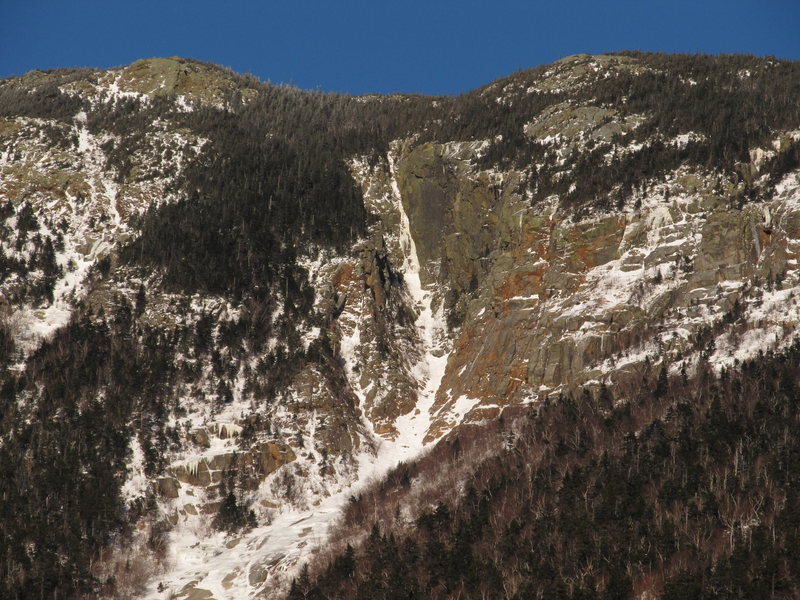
(731, 104)
(272, 181)
(688, 489)
(274, 178)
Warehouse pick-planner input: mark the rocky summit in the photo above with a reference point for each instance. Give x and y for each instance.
(228, 307)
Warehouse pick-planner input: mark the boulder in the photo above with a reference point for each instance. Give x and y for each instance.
(168, 487)
(200, 437)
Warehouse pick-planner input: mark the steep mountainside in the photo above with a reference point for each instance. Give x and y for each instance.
(226, 306)
(685, 488)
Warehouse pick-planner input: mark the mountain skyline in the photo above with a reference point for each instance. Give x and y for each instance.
(440, 48)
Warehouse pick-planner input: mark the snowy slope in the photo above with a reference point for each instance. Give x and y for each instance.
(524, 297)
(264, 559)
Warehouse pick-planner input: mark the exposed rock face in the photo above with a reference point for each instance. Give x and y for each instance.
(427, 185)
(168, 487)
(549, 301)
(577, 124)
(200, 437)
(152, 77)
(191, 592)
(251, 466)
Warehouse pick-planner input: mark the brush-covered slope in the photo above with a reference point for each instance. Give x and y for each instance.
(225, 305)
(687, 488)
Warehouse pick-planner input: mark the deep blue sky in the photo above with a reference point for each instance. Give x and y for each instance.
(359, 46)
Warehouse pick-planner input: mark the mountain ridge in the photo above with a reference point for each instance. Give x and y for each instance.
(260, 297)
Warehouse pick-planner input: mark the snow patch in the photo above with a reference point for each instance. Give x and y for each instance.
(136, 484)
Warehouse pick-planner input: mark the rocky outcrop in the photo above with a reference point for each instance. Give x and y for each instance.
(149, 77)
(539, 300)
(250, 466)
(579, 124)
